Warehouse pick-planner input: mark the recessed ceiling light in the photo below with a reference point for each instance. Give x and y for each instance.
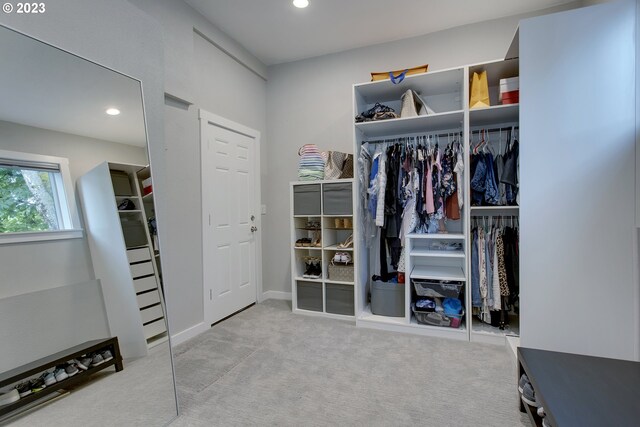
(301, 3)
(113, 111)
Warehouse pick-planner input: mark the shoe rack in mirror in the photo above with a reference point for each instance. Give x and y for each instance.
(81, 297)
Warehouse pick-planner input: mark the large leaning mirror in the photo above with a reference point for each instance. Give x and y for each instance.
(83, 332)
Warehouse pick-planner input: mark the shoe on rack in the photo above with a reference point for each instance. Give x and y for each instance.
(541, 412)
(546, 423)
(9, 397)
(347, 243)
(37, 384)
(307, 271)
(346, 258)
(106, 355)
(60, 373)
(337, 258)
(24, 388)
(96, 359)
(48, 378)
(529, 396)
(83, 362)
(524, 380)
(316, 270)
(71, 368)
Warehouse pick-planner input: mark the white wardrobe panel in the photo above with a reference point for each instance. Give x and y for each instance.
(578, 249)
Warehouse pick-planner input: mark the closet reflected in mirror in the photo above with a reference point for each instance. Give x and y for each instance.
(83, 335)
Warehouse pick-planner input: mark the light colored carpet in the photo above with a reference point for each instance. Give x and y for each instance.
(267, 366)
(140, 395)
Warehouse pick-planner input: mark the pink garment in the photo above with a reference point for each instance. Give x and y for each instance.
(430, 208)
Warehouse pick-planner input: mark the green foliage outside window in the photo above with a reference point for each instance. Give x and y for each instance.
(26, 201)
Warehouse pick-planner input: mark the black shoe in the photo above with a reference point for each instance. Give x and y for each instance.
(308, 271)
(37, 384)
(24, 388)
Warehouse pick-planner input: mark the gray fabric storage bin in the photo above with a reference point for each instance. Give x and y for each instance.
(340, 299)
(309, 296)
(338, 199)
(133, 232)
(306, 199)
(387, 299)
(121, 183)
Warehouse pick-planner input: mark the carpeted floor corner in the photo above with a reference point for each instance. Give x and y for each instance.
(268, 366)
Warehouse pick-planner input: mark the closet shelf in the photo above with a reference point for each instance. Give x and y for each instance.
(147, 196)
(131, 211)
(313, 248)
(436, 254)
(336, 248)
(338, 282)
(496, 114)
(437, 273)
(304, 279)
(429, 123)
(437, 236)
(494, 210)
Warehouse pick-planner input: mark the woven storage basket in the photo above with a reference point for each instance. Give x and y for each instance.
(341, 272)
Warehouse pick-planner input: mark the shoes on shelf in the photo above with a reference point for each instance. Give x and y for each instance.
(541, 412)
(529, 396)
(96, 359)
(524, 380)
(304, 242)
(60, 373)
(24, 388)
(341, 258)
(106, 355)
(37, 384)
(546, 423)
(71, 368)
(313, 269)
(83, 362)
(317, 240)
(338, 223)
(347, 243)
(9, 397)
(48, 378)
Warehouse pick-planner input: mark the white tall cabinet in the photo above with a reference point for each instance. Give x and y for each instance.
(579, 241)
(123, 257)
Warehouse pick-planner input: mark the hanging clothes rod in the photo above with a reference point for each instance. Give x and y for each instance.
(408, 138)
(503, 129)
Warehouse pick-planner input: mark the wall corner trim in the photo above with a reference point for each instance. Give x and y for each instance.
(286, 296)
(188, 333)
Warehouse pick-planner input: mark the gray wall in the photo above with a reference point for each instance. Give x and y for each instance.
(28, 267)
(207, 69)
(579, 252)
(310, 101)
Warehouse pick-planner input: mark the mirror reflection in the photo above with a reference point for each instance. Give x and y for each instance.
(83, 330)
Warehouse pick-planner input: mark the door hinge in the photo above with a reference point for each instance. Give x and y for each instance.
(209, 220)
(210, 294)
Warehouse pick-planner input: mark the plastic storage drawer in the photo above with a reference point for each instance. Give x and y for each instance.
(306, 199)
(437, 289)
(340, 299)
(387, 299)
(309, 296)
(338, 199)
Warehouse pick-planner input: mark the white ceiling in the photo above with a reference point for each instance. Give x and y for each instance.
(275, 31)
(45, 87)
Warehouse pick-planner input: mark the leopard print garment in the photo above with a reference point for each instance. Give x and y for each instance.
(502, 271)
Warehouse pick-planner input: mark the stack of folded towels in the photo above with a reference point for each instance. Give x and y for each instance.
(311, 166)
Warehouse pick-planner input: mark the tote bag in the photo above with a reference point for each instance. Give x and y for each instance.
(479, 91)
(334, 160)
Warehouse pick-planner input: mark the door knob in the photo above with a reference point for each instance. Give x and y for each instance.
(254, 228)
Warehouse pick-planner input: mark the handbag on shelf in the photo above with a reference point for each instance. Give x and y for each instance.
(413, 105)
(479, 91)
(334, 160)
(397, 76)
(347, 167)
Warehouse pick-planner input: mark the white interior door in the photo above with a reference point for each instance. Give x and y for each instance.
(230, 205)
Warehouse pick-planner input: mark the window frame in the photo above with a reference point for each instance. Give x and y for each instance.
(66, 199)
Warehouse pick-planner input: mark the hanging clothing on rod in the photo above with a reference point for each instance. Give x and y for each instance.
(494, 174)
(414, 184)
(494, 269)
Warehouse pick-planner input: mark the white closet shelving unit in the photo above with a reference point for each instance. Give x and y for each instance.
(123, 257)
(447, 93)
(324, 296)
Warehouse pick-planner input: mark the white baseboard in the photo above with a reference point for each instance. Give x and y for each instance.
(276, 295)
(188, 333)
